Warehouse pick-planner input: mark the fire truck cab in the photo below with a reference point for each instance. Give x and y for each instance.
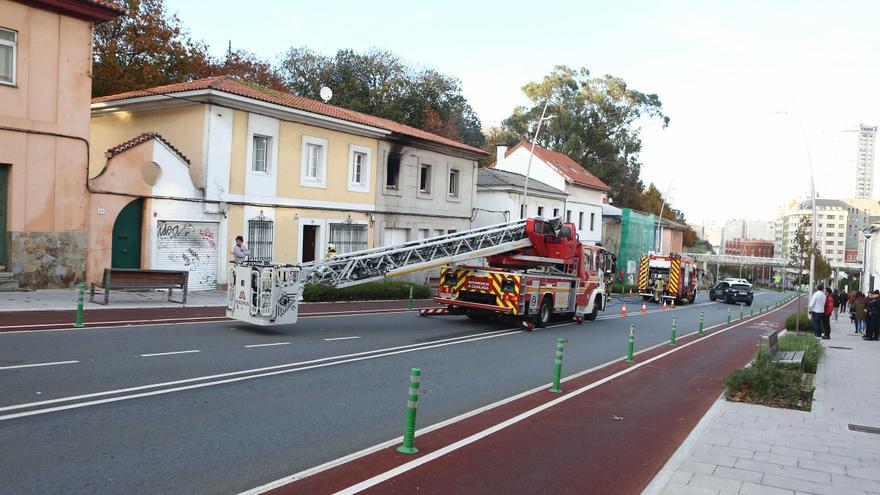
(556, 275)
(668, 278)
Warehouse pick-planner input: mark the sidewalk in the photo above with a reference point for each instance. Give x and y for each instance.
(749, 449)
(66, 299)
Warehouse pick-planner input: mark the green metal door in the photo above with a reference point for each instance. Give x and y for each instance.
(127, 236)
(4, 202)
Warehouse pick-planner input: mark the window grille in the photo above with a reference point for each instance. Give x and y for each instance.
(260, 236)
(348, 237)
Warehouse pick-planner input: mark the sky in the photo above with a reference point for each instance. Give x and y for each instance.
(755, 90)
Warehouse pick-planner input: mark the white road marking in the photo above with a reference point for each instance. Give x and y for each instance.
(35, 365)
(267, 345)
(342, 338)
(278, 369)
(375, 480)
(170, 353)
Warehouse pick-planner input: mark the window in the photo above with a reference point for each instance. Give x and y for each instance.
(555, 212)
(313, 162)
(581, 220)
(522, 210)
(425, 179)
(540, 211)
(260, 237)
(261, 154)
(568, 216)
(348, 237)
(392, 171)
(592, 222)
(453, 183)
(359, 160)
(8, 41)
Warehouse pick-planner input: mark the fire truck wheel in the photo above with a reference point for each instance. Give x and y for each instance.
(591, 316)
(545, 311)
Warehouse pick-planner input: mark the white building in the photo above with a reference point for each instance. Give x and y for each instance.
(832, 220)
(500, 194)
(852, 165)
(585, 193)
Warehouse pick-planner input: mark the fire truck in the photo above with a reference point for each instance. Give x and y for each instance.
(555, 276)
(677, 275)
(535, 269)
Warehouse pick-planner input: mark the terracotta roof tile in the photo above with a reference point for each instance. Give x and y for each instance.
(143, 138)
(229, 85)
(107, 5)
(562, 163)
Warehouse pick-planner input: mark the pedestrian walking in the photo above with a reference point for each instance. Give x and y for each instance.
(835, 300)
(844, 298)
(817, 309)
(830, 308)
(858, 311)
(239, 251)
(872, 308)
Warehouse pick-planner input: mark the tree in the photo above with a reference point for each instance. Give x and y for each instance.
(146, 48)
(379, 83)
(248, 67)
(595, 123)
(801, 249)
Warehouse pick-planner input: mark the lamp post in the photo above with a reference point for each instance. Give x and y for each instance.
(525, 210)
(659, 230)
(815, 232)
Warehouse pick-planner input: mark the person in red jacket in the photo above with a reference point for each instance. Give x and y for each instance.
(829, 310)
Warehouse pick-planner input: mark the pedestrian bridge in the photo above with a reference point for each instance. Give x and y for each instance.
(727, 259)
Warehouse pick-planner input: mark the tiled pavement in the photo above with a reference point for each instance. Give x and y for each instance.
(748, 449)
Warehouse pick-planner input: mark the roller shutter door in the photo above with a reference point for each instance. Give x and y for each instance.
(393, 237)
(190, 246)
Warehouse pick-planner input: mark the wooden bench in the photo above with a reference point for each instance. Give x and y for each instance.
(771, 341)
(126, 278)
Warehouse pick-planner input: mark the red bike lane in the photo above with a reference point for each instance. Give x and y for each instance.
(609, 432)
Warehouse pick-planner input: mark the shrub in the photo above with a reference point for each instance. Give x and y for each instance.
(365, 292)
(806, 324)
(807, 343)
(765, 383)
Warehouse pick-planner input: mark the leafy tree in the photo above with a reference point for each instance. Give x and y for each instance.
(246, 66)
(702, 246)
(595, 123)
(379, 83)
(801, 249)
(148, 47)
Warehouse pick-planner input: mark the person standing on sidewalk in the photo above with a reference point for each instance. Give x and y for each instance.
(830, 309)
(872, 308)
(835, 300)
(858, 309)
(817, 309)
(844, 298)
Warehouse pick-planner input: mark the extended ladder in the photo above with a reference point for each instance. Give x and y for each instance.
(267, 293)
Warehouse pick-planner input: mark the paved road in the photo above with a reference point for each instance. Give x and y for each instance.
(123, 414)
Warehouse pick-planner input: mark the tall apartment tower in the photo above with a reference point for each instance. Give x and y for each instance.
(864, 186)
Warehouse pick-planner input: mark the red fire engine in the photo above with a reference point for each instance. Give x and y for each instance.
(555, 275)
(674, 276)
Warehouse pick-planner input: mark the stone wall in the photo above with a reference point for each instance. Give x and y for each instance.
(43, 260)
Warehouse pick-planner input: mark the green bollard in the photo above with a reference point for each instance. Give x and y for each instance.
(672, 336)
(630, 344)
(409, 304)
(557, 368)
(751, 312)
(700, 330)
(79, 306)
(740, 312)
(412, 403)
(728, 316)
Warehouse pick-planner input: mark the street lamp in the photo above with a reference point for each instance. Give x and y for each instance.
(525, 211)
(659, 230)
(812, 200)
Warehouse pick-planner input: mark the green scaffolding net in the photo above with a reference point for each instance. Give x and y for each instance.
(636, 238)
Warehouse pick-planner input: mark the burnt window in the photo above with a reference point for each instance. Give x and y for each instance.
(392, 172)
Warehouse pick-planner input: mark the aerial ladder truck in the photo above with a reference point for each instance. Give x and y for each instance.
(535, 269)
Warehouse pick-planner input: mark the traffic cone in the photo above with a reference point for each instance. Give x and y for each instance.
(644, 308)
(663, 308)
(673, 303)
(623, 310)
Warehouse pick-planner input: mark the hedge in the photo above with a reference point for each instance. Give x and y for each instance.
(369, 291)
(767, 383)
(806, 324)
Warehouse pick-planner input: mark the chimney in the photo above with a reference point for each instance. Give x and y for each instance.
(500, 151)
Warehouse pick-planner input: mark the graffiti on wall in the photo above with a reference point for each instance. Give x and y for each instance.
(190, 246)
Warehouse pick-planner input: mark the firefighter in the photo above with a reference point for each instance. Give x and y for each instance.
(658, 288)
(331, 251)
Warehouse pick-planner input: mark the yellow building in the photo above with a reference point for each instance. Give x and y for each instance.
(45, 87)
(289, 174)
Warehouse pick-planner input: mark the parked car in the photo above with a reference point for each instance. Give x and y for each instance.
(732, 293)
(737, 281)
